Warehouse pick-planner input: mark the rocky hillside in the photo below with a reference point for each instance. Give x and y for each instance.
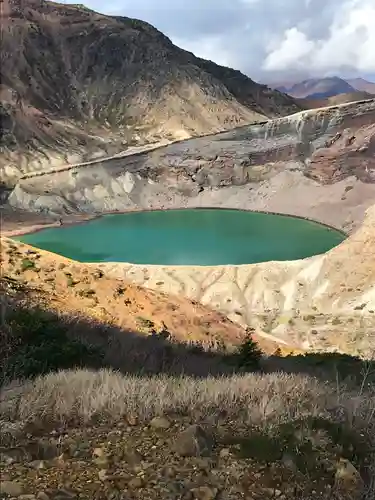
(76, 84)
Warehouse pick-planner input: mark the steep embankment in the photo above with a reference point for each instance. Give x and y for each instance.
(76, 84)
(319, 164)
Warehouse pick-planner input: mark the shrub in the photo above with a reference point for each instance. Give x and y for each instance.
(120, 290)
(248, 355)
(87, 292)
(70, 281)
(27, 264)
(145, 323)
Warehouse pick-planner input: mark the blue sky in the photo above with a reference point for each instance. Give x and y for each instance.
(269, 40)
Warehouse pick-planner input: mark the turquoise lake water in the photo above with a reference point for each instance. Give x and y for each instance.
(188, 237)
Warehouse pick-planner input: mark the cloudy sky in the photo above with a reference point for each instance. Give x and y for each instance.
(268, 40)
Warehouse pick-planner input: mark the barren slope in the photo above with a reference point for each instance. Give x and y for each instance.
(77, 84)
(362, 85)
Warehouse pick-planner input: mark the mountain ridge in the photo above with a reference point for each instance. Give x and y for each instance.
(317, 88)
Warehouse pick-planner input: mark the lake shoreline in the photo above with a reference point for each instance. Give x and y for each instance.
(188, 237)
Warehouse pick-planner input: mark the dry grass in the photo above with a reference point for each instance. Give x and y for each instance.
(260, 400)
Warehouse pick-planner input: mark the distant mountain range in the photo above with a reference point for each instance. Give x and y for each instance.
(324, 88)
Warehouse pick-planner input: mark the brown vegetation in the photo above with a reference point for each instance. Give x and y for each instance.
(272, 434)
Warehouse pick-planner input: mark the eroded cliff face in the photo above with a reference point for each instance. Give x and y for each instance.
(319, 164)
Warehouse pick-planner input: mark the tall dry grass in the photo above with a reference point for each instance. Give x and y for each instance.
(256, 399)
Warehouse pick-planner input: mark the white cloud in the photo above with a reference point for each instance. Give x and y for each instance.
(207, 49)
(350, 43)
(265, 38)
(291, 52)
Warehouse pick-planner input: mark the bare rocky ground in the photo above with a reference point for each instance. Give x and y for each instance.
(317, 164)
(175, 459)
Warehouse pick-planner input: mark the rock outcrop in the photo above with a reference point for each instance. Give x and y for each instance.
(76, 84)
(318, 164)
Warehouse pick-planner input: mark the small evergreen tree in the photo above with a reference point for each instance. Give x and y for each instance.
(249, 354)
